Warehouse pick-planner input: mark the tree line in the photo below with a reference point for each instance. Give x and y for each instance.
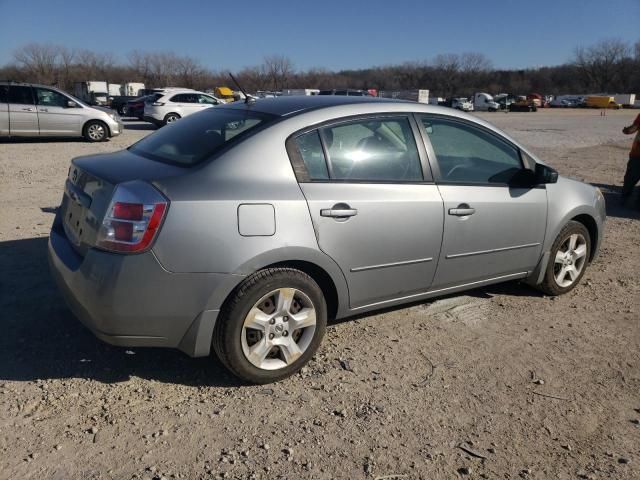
(611, 66)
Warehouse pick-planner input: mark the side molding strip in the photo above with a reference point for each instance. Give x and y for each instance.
(394, 264)
(495, 250)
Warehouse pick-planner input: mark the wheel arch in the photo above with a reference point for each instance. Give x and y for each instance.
(320, 276)
(314, 263)
(592, 227)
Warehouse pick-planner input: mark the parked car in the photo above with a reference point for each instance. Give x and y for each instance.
(538, 100)
(246, 226)
(30, 110)
(348, 92)
(462, 103)
(504, 100)
(524, 104)
(135, 107)
(565, 101)
(172, 105)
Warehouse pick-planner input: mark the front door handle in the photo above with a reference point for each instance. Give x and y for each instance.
(28, 109)
(462, 210)
(339, 211)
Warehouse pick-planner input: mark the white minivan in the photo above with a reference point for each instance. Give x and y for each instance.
(28, 110)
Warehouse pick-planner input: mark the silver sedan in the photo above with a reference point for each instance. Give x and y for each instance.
(246, 226)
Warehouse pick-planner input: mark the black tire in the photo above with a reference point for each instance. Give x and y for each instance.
(549, 284)
(122, 110)
(171, 117)
(95, 131)
(227, 335)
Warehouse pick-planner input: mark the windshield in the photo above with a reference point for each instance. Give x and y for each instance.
(195, 138)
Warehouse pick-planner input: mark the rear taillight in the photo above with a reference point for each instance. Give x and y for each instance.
(133, 218)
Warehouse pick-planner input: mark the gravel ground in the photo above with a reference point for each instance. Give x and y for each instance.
(501, 382)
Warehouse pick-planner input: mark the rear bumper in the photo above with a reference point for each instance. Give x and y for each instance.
(131, 300)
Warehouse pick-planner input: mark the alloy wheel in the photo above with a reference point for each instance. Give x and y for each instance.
(278, 329)
(96, 131)
(570, 260)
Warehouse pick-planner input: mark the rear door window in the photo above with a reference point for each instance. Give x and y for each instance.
(4, 93)
(378, 150)
(20, 95)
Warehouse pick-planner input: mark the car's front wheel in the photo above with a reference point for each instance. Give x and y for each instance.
(271, 326)
(569, 258)
(95, 131)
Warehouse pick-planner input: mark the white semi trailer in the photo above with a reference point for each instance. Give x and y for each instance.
(92, 92)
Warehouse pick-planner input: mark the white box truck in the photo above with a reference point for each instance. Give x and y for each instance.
(114, 89)
(133, 89)
(93, 92)
(625, 99)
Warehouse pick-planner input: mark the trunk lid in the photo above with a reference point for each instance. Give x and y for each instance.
(89, 188)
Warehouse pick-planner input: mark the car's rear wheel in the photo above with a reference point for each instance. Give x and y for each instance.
(569, 259)
(271, 326)
(95, 131)
(171, 117)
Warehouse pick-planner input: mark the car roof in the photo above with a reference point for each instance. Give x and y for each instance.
(294, 104)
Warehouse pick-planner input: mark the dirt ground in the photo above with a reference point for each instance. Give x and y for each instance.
(501, 382)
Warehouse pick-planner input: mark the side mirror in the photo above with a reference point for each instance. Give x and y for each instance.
(545, 174)
(71, 104)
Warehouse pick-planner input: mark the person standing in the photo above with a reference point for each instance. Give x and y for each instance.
(632, 175)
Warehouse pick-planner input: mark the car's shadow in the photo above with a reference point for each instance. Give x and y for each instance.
(140, 126)
(41, 339)
(41, 140)
(613, 198)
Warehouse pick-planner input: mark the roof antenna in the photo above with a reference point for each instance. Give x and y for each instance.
(248, 99)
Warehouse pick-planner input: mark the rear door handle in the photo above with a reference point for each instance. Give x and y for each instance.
(339, 212)
(44, 110)
(462, 210)
(28, 109)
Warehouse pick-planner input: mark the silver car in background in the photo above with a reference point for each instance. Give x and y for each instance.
(29, 110)
(246, 226)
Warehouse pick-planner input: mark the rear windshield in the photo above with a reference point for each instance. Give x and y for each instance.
(191, 140)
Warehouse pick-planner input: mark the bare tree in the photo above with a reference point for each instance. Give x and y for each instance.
(474, 62)
(39, 60)
(447, 66)
(278, 69)
(601, 63)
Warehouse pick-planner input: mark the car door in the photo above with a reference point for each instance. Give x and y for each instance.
(491, 227)
(374, 206)
(23, 116)
(4, 110)
(188, 103)
(55, 115)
